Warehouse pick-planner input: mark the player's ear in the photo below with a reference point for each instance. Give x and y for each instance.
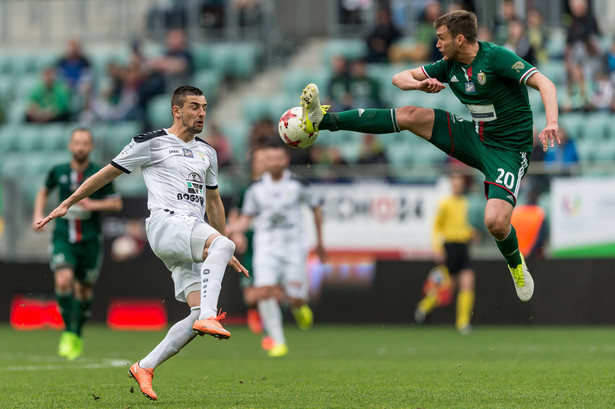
(175, 111)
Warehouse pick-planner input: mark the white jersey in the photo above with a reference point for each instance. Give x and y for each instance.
(175, 172)
(277, 209)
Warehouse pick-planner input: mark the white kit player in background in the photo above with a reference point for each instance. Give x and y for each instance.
(274, 204)
(181, 175)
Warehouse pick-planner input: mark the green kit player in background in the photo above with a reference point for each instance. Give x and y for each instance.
(76, 248)
(491, 81)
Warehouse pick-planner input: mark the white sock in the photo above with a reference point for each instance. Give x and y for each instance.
(271, 315)
(212, 272)
(178, 336)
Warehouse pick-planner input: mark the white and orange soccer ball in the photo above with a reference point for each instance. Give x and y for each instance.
(290, 130)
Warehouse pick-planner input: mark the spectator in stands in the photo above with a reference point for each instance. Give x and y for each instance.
(538, 35)
(583, 55)
(74, 67)
(364, 89)
(381, 38)
(485, 34)
(424, 47)
(172, 69)
(518, 41)
(372, 151)
(330, 160)
(119, 98)
(563, 157)
(221, 144)
(603, 97)
(338, 84)
(50, 99)
(506, 13)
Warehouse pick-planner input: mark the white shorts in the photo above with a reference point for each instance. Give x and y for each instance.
(288, 270)
(178, 240)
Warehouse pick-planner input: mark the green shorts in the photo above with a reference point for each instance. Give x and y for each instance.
(503, 169)
(83, 258)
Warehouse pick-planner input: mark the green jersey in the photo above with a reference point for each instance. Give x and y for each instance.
(493, 89)
(78, 224)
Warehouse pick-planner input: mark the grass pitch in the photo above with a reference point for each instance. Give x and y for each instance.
(327, 367)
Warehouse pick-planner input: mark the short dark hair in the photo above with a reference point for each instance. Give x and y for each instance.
(459, 22)
(180, 94)
(82, 129)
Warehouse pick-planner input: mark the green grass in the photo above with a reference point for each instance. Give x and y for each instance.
(327, 367)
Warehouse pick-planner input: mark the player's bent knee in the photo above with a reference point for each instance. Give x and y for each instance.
(221, 246)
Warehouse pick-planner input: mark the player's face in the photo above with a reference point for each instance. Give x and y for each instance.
(81, 145)
(193, 113)
(446, 44)
(457, 183)
(277, 160)
(259, 163)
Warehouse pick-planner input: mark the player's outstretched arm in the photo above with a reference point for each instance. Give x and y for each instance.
(415, 79)
(548, 93)
(91, 185)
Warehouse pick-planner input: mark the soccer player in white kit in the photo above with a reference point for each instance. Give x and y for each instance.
(274, 203)
(180, 172)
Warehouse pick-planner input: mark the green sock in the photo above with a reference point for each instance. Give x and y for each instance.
(83, 311)
(65, 302)
(509, 247)
(375, 121)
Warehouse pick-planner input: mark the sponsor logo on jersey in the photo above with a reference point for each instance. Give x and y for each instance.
(173, 151)
(194, 184)
(127, 148)
(188, 153)
(482, 78)
(361, 110)
(518, 66)
(63, 179)
(470, 88)
(454, 79)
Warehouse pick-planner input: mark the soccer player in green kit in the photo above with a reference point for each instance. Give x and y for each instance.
(491, 81)
(76, 250)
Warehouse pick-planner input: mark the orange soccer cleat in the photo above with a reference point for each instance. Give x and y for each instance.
(144, 377)
(211, 326)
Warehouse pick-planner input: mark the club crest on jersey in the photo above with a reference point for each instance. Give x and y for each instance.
(195, 184)
(188, 153)
(470, 88)
(482, 78)
(518, 66)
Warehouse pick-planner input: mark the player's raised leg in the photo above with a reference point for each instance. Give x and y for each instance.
(375, 121)
(219, 252)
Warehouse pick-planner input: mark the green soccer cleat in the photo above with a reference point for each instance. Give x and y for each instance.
(313, 111)
(303, 317)
(77, 348)
(67, 341)
(524, 283)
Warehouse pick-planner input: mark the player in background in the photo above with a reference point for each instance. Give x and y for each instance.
(451, 234)
(491, 81)
(244, 242)
(275, 204)
(76, 245)
(181, 174)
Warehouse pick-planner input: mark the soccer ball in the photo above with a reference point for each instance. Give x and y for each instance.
(290, 130)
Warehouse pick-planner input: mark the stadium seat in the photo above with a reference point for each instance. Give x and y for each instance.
(159, 111)
(295, 80)
(595, 126)
(238, 132)
(208, 81)
(351, 49)
(8, 138)
(30, 138)
(556, 43)
(554, 70)
(535, 101)
(573, 122)
(203, 56)
(253, 109)
(245, 59)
